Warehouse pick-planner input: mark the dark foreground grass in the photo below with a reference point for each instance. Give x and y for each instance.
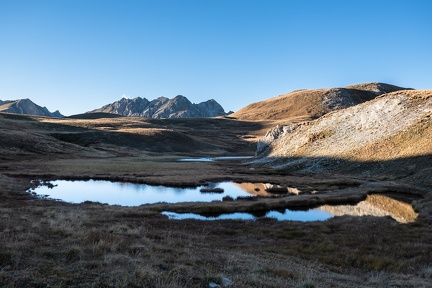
(46, 243)
(53, 244)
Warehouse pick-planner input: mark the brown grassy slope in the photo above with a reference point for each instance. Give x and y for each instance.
(297, 105)
(304, 105)
(6, 106)
(24, 136)
(350, 133)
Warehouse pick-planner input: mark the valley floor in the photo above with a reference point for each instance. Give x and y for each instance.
(47, 243)
(94, 245)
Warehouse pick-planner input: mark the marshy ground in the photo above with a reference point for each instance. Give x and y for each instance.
(56, 244)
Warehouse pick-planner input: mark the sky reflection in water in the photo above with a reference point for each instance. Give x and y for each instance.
(131, 194)
(305, 216)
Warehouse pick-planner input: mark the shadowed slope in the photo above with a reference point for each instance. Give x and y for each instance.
(29, 136)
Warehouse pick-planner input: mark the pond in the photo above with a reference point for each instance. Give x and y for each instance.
(213, 159)
(131, 194)
(304, 216)
(374, 205)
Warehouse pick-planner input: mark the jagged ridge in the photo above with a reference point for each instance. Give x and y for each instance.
(162, 107)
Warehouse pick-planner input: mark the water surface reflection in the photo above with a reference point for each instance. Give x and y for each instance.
(130, 194)
(374, 205)
(304, 216)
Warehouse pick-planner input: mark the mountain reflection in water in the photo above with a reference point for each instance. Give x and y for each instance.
(376, 205)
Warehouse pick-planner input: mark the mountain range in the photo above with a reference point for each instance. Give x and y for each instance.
(26, 106)
(296, 106)
(162, 107)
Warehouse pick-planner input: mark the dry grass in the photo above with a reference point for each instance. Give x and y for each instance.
(131, 247)
(94, 245)
(47, 243)
(297, 105)
(320, 135)
(53, 243)
(303, 105)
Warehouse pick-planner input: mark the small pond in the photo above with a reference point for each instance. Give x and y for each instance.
(304, 216)
(213, 159)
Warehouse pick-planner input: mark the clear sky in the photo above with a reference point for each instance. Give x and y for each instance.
(78, 55)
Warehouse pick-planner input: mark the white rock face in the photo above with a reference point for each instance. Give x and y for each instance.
(162, 107)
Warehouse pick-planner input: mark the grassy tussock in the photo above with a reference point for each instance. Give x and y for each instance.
(320, 135)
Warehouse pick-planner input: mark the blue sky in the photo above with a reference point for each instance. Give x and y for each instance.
(77, 55)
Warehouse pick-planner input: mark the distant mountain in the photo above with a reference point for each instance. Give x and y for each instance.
(303, 105)
(26, 106)
(162, 107)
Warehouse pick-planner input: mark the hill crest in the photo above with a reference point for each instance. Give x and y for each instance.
(28, 107)
(301, 105)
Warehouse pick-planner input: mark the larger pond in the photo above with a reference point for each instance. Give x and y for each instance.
(130, 194)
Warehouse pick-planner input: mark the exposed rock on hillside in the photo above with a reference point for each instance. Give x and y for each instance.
(310, 104)
(162, 107)
(392, 126)
(26, 106)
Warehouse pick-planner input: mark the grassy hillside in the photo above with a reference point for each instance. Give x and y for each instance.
(375, 137)
(24, 136)
(304, 105)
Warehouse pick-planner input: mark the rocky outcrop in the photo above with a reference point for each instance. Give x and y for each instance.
(392, 125)
(310, 104)
(162, 107)
(26, 106)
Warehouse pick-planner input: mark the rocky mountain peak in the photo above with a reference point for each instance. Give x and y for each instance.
(162, 107)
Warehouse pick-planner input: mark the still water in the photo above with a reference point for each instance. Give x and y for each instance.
(130, 194)
(213, 159)
(304, 216)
